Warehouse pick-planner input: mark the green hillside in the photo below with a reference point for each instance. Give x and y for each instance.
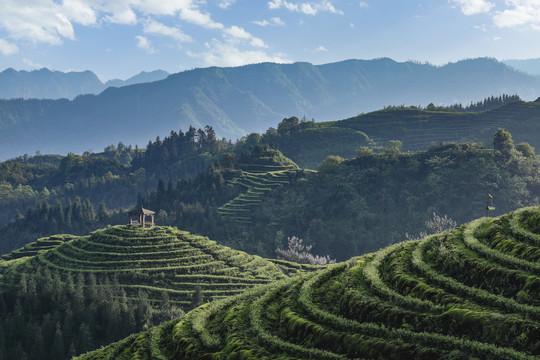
(308, 143)
(262, 170)
(471, 293)
(255, 185)
(157, 260)
(417, 128)
(64, 295)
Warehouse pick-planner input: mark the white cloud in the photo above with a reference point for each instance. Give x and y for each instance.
(227, 54)
(51, 21)
(32, 64)
(497, 38)
(363, 4)
(236, 32)
(513, 13)
(157, 7)
(276, 21)
(521, 13)
(321, 49)
(196, 17)
(7, 48)
(145, 44)
(308, 8)
(481, 27)
(224, 4)
(153, 27)
(79, 12)
(471, 7)
(44, 21)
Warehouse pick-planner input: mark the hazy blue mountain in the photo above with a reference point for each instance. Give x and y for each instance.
(240, 100)
(140, 78)
(529, 66)
(47, 84)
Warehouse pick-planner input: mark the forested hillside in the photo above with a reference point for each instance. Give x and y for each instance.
(308, 142)
(347, 207)
(240, 100)
(469, 293)
(359, 205)
(75, 194)
(63, 295)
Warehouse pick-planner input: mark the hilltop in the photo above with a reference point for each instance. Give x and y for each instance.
(417, 128)
(238, 101)
(468, 293)
(87, 285)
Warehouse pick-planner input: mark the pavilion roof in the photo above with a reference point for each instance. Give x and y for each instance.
(141, 211)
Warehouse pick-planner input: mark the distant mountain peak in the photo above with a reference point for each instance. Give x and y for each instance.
(53, 84)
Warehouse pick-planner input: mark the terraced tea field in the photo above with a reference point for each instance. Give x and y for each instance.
(472, 293)
(255, 184)
(157, 260)
(417, 129)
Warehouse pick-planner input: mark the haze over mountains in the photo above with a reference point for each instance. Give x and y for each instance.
(236, 101)
(529, 66)
(47, 84)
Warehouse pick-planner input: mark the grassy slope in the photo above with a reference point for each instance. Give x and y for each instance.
(417, 129)
(309, 146)
(469, 293)
(257, 178)
(157, 260)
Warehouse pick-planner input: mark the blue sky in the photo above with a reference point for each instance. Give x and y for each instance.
(119, 38)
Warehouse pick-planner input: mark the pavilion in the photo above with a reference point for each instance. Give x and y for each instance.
(141, 213)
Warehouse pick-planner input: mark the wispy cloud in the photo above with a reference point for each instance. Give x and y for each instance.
(235, 32)
(482, 27)
(51, 21)
(32, 64)
(223, 53)
(363, 4)
(520, 13)
(195, 16)
(275, 21)
(308, 8)
(224, 4)
(153, 27)
(320, 49)
(7, 48)
(471, 7)
(511, 14)
(145, 44)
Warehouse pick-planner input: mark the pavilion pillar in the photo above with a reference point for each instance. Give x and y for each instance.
(143, 218)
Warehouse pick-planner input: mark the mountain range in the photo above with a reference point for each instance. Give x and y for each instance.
(47, 84)
(240, 100)
(529, 66)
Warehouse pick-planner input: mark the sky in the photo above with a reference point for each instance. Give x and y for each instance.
(120, 38)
